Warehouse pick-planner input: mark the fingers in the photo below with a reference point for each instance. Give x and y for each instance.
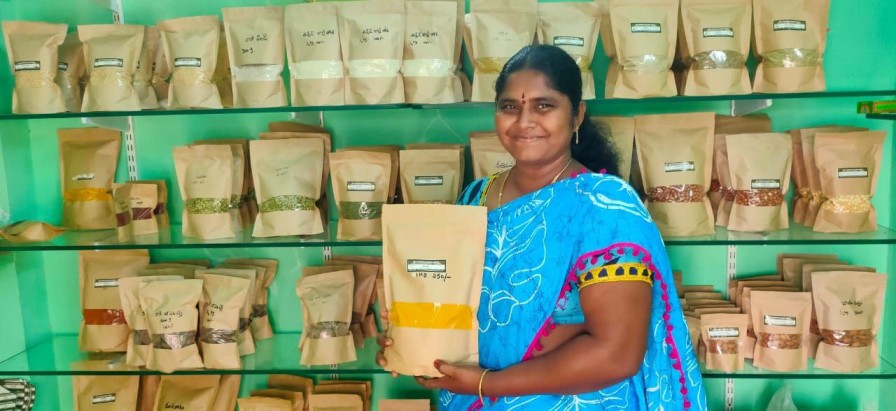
(383, 341)
(430, 383)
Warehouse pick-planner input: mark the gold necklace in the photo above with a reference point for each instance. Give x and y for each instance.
(507, 177)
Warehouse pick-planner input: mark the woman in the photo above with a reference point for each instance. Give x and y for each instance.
(578, 308)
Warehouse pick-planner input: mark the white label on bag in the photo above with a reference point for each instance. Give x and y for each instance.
(723, 332)
(109, 62)
(360, 186)
(83, 177)
(789, 25)
(779, 321)
(105, 283)
(759, 184)
(428, 180)
(569, 41)
(854, 172)
(103, 399)
(718, 32)
(647, 28)
(680, 166)
(188, 62)
(26, 66)
(427, 266)
(62, 66)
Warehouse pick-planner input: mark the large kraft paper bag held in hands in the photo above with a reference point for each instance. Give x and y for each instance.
(433, 259)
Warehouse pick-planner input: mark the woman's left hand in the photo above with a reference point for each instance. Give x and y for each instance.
(457, 378)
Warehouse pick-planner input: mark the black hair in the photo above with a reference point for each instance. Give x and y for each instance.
(594, 150)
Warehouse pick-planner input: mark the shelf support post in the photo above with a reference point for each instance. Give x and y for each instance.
(731, 273)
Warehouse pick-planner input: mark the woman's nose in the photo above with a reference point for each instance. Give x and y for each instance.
(526, 119)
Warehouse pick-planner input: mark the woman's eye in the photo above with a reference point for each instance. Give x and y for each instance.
(544, 106)
(508, 107)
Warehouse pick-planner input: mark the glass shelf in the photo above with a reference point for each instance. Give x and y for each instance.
(280, 354)
(465, 105)
(173, 239)
(886, 370)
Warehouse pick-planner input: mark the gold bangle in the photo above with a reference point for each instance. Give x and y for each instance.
(481, 379)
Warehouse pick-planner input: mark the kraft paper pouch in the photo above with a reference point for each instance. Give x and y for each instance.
(202, 262)
(134, 206)
(33, 51)
(223, 297)
(88, 158)
(255, 46)
(790, 40)
(675, 156)
(459, 148)
(242, 174)
(327, 307)
(364, 287)
(849, 306)
(573, 27)
(722, 189)
(191, 49)
(287, 174)
(779, 259)
(606, 36)
(644, 32)
(143, 77)
(360, 189)
(781, 322)
(70, 71)
(793, 266)
(368, 326)
(622, 133)
(810, 268)
(228, 391)
(296, 399)
(433, 274)
(139, 348)
(172, 317)
(111, 54)
(223, 77)
(314, 55)
(336, 402)
(741, 285)
(759, 165)
(816, 197)
(849, 165)
(715, 46)
(429, 64)
(103, 324)
(264, 404)
(693, 324)
(394, 176)
(725, 338)
(292, 383)
(255, 275)
(489, 156)
(746, 298)
(187, 392)
(98, 393)
(186, 271)
(149, 387)
(800, 176)
(160, 73)
(499, 29)
(372, 39)
(404, 405)
(359, 389)
(260, 322)
(316, 270)
(30, 231)
(205, 176)
(288, 129)
(431, 176)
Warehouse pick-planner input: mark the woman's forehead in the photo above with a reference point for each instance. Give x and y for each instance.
(528, 84)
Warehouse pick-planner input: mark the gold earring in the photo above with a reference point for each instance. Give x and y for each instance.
(577, 136)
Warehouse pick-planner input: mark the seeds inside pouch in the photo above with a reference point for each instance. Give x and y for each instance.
(433, 275)
(139, 341)
(849, 165)
(314, 55)
(186, 392)
(255, 275)
(574, 28)
(143, 77)
(33, 49)
(107, 392)
(219, 319)
(725, 338)
(111, 53)
(816, 197)
(675, 153)
(237, 208)
(204, 175)
(489, 156)
(70, 71)
(88, 159)
(365, 283)
(255, 47)
(499, 29)
(622, 133)
(644, 32)
(327, 312)
(103, 326)
(715, 46)
(849, 307)
(430, 176)
(429, 65)
(191, 50)
(259, 320)
(372, 37)
(287, 177)
(790, 38)
(142, 204)
(172, 317)
(760, 171)
(360, 187)
(781, 322)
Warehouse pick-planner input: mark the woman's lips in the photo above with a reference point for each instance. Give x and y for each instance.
(528, 139)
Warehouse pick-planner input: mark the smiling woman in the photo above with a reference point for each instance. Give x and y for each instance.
(577, 283)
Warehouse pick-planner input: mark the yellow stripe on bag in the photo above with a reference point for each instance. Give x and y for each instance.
(430, 315)
(87, 194)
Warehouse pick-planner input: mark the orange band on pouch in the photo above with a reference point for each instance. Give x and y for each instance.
(87, 194)
(430, 315)
(101, 316)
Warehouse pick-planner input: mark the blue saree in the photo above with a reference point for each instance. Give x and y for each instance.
(538, 247)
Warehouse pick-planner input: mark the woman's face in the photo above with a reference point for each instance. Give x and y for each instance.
(534, 122)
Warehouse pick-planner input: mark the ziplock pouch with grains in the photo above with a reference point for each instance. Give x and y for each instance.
(572, 26)
(255, 47)
(790, 39)
(372, 37)
(204, 175)
(103, 326)
(219, 319)
(327, 313)
(429, 64)
(644, 32)
(499, 29)
(111, 53)
(760, 171)
(715, 45)
(191, 51)
(172, 317)
(33, 49)
(314, 54)
(360, 188)
(781, 323)
(139, 347)
(432, 176)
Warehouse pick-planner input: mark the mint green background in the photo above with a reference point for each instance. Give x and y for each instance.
(38, 289)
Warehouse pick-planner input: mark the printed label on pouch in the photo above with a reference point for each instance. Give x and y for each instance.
(855, 172)
(723, 332)
(83, 177)
(647, 28)
(427, 266)
(779, 321)
(105, 283)
(760, 184)
(103, 399)
(188, 62)
(109, 62)
(62, 66)
(680, 166)
(428, 180)
(791, 25)
(718, 32)
(360, 186)
(26, 66)
(569, 41)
